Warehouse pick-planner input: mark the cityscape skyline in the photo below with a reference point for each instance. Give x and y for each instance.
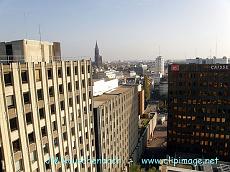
(175, 30)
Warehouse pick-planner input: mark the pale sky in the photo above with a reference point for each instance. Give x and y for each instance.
(124, 29)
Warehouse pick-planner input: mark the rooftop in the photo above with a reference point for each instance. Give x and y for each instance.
(100, 100)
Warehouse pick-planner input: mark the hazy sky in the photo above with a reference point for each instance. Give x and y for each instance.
(125, 29)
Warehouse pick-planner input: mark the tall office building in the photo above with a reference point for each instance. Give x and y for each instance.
(199, 108)
(98, 57)
(159, 65)
(29, 51)
(46, 112)
(116, 127)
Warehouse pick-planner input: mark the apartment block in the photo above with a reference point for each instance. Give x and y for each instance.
(29, 51)
(116, 127)
(46, 112)
(199, 108)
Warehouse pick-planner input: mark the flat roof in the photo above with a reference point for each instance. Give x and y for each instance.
(101, 99)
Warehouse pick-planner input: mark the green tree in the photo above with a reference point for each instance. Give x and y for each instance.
(147, 85)
(153, 169)
(135, 168)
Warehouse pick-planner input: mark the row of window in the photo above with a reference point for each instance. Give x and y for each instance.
(8, 77)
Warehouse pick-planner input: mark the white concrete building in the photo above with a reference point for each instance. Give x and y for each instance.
(159, 65)
(29, 51)
(102, 86)
(116, 125)
(46, 112)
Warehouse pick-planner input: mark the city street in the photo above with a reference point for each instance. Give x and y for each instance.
(156, 148)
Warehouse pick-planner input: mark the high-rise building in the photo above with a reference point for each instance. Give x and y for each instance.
(29, 51)
(199, 108)
(116, 127)
(159, 65)
(46, 112)
(98, 57)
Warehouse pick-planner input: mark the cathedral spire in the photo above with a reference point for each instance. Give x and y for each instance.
(96, 47)
(98, 58)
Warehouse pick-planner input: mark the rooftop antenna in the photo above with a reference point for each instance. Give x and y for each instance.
(40, 39)
(210, 53)
(25, 25)
(39, 32)
(159, 50)
(216, 47)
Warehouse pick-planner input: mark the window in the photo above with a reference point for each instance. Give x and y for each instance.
(65, 136)
(62, 105)
(29, 118)
(33, 156)
(40, 94)
(82, 152)
(89, 69)
(43, 130)
(83, 83)
(68, 71)
(73, 131)
(81, 140)
(46, 148)
(51, 91)
(77, 85)
(59, 73)
(42, 113)
(54, 125)
(24, 76)
(16, 145)
(71, 102)
(82, 70)
(38, 75)
(13, 124)
(69, 87)
(52, 109)
(84, 97)
(49, 73)
(26, 97)
(60, 88)
(76, 70)
(8, 79)
(63, 121)
(56, 142)
(10, 101)
(48, 166)
(18, 165)
(31, 138)
(78, 99)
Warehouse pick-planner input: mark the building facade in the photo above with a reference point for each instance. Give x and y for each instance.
(29, 51)
(116, 127)
(159, 65)
(199, 108)
(46, 113)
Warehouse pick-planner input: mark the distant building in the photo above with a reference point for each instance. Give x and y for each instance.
(98, 57)
(132, 74)
(198, 110)
(159, 65)
(116, 127)
(102, 86)
(29, 51)
(213, 60)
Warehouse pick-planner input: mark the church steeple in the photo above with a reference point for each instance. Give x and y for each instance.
(98, 58)
(96, 50)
